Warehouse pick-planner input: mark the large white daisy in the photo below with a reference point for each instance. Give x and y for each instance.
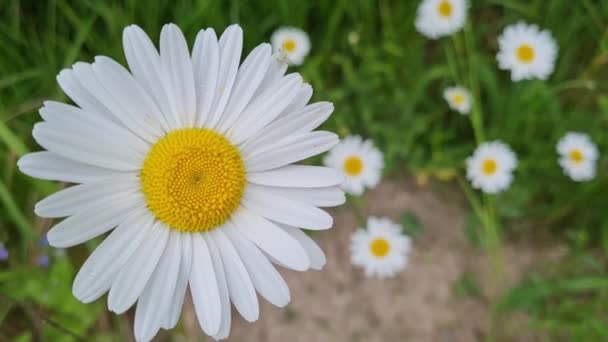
(439, 18)
(458, 98)
(491, 166)
(381, 249)
(527, 51)
(359, 161)
(292, 43)
(578, 156)
(188, 160)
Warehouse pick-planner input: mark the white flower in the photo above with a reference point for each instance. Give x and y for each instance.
(527, 51)
(491, 166)
(189, 162)
(459, 99)
(578, 156)
(293, 43)
(381, 249)
(359, 161)
(439, 18)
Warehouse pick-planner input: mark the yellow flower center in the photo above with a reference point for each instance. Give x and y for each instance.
(525, 53)
(379, 247)
(577, 156)
(289, 45)
(458, 99)
(444, 8)
(193, 179)
(489, 166)
(353, 166)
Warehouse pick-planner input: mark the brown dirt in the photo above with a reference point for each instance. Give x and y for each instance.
(340, 304)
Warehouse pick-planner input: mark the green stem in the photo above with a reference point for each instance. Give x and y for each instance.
(476, 117)
(14, 144)
(573, 84)
(14, 213)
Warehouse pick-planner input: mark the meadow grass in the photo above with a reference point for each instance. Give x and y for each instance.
(386, 81)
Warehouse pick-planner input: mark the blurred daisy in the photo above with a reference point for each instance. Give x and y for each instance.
(439, 18)
(189, 161)
(459, 99)
(381, 249)
(527, 51)
(578, 156)
(292, 43)
(359, 161)
(491, 166)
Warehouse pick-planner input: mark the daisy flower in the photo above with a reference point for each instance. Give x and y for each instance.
(381, 249)
(439, 18)
(188, 159)
(491, 166)
(578, 156)
(459, 99)
(293, 43)
(527, 51)
(359, 161)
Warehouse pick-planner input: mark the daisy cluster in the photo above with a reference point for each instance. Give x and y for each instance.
(528, 52)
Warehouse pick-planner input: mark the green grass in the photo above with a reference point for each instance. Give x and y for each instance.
(386, 81)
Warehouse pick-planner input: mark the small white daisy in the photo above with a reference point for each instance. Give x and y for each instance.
(359, 161)
(439, 18)
(293, 43)
(381, 249)
(188, 159)
(491, 166)
(578, 156)
(527, 51)
(459, 99)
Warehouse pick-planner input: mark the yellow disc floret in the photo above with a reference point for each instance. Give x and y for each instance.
(193, 179)
(444, 8)
(353, 165)
(576, 156)
(525, 53)
(379, 247)
(489, 166)
(289, 45)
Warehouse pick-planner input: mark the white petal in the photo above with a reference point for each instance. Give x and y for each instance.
(155, 300)
(81, 96)
(271, 239)
(287, 211)
(266, 280)
(144, 62)
(264, 109)
(298, 176)
(276, 70)
(315, 253)
(231, 45)
(303, 96)
(100, 150)
(220, 275)
(133, 277)
(205, 62)
(299, 122)
(73, 120)
(102, 266)
(298, 148)
(240, 287)
(248, 79)
(171, 316)
(204, 287)
(178, 77)
(77, 198)
(318, 197)
(51, 166)
(93, 222)
(127, 100)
